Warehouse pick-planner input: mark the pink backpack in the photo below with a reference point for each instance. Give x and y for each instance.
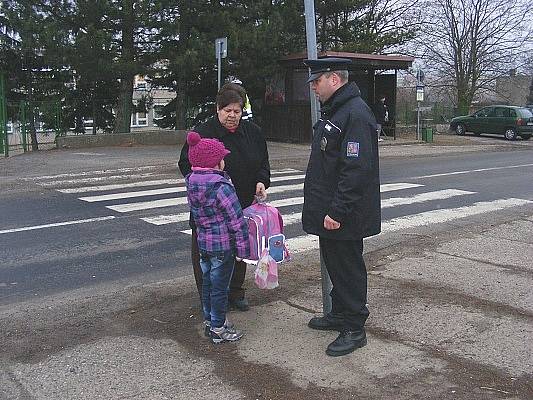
(265, 227)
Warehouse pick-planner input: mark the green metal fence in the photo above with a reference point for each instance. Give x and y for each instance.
(37, 124)
(4, 144)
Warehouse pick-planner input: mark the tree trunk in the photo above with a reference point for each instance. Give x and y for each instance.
(94, 111)
(31, 116)
(123, 116)
(180, 107)
(529, 99)
(464, 100)
(33, 131)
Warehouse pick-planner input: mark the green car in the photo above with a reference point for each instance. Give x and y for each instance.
(509, 121)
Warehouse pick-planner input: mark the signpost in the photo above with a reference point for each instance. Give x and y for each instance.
(221, 51)
(310, 30)
(419, 99)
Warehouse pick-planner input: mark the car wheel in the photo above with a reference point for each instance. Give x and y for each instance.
(526, 137)
(510, 134)
(460, 129)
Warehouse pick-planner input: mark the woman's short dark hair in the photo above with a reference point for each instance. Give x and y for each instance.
(231, 93)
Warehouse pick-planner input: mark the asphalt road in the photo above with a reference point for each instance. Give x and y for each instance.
(123, 248)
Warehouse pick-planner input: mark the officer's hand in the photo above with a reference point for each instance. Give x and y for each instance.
(330, 224)
(260, 191)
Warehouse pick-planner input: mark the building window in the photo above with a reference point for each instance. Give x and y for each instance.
(140, 83)
(139, 119)
(158, 111)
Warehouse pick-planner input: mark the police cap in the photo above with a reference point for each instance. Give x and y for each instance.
(328, 64)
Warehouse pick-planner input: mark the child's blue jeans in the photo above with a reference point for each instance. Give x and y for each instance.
(217, 269)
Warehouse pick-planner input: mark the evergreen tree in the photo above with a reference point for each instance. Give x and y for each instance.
(37, 73)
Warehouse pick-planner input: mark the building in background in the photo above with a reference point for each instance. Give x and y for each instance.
(8, 36)
(149, 103)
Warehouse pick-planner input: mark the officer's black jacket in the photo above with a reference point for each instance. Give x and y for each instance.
(247, 163)
(342, 178)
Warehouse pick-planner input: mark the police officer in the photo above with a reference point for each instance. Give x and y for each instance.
(342, 197)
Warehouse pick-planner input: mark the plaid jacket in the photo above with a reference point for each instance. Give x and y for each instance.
(217, 213)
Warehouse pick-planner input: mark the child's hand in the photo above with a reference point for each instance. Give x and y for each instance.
(238, 259)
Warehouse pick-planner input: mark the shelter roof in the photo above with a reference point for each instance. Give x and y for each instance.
(359, 60)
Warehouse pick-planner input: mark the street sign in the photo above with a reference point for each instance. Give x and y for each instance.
(420, 76)
(420, 93)
(221, 51)
(221, 47)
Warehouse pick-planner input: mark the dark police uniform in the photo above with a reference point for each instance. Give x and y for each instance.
(342, 181)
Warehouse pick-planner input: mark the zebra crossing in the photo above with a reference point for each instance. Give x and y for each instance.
(161, 201)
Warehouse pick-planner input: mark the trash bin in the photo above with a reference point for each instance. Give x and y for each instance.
(427, 134)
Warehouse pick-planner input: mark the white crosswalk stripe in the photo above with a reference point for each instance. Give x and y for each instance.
(390, 187)
(129, 195)
(450, 214)
(284, 171)
(286, 193)
(286, 178)
(89, 173)
(303, 243)
(423, 197)
(102, 188)
(96, 179)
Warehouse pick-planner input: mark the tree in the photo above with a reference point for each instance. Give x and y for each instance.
(186, 31)
(90, 56)
(36, 73)
(365, 26)
(468, 43)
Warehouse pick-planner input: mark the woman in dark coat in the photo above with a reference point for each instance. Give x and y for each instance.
(247, 166)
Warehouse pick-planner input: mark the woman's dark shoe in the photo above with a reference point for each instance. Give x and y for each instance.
(327, 323)
(239, 304)
(346, 343)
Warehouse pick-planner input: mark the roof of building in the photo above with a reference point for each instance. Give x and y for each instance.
(359, 60)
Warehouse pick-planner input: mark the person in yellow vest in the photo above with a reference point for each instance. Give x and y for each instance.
(247, 108)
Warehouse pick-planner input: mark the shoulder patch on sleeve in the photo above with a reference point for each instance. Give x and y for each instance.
(352, 149)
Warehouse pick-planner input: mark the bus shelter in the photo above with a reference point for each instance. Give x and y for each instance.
(286, 109)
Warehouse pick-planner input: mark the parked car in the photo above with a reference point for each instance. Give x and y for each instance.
(510, 121)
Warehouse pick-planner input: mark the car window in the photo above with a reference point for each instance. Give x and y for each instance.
(484, 112)
(525, 113)
(512, 113)
(501, 112)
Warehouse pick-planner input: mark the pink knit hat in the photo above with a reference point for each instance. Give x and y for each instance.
(205, 153)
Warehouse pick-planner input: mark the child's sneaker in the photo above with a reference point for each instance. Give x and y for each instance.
(207, 327)
(225, 334)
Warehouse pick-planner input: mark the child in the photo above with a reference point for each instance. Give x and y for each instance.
(222, 231)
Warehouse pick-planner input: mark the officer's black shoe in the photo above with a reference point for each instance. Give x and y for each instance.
(346, 343)
(327, 323)
(239, 304)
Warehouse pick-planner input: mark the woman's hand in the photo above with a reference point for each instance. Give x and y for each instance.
(260, 191)
(330, 224)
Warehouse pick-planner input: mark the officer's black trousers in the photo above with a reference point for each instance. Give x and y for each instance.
(347, 271)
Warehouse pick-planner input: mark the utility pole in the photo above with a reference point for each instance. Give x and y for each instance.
(310, 30)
